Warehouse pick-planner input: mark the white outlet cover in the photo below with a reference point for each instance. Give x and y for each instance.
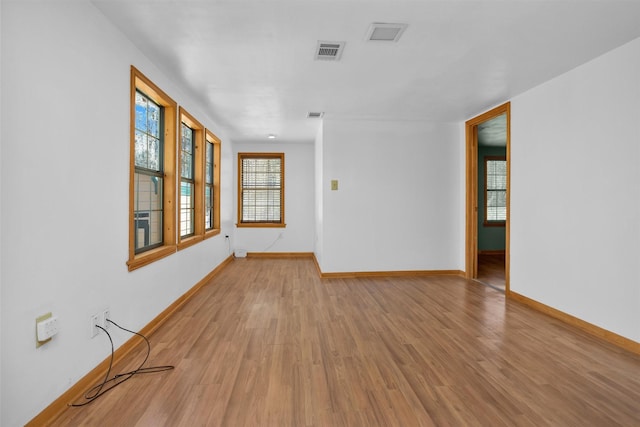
(93, 321)
(47, 328)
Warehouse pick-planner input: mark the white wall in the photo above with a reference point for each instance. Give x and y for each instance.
(318, 185)
(400, 202)
(575, 187)
(299, 201)
(1, 238)
(65, 166)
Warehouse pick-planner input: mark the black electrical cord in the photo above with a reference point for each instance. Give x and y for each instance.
(99, 390)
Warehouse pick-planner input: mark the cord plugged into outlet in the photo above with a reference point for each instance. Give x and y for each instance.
(280, 236)
(110, 381)
(94, 322)
(99, 319)
(228, 240)
(106, 314)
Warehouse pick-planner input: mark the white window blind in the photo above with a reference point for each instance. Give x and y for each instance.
(496, 189)
(261, 180)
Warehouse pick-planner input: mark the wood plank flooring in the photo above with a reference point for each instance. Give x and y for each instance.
(268, 343)
(491, 270)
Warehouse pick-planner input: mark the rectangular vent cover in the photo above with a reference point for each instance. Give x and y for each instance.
(384, 32)
(329, 51)
(314, 115)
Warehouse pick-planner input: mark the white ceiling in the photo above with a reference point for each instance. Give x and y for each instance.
(251, 62)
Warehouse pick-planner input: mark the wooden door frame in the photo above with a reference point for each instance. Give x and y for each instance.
(471, 229)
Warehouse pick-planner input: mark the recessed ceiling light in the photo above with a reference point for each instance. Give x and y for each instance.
(271, 136)
(379, 31)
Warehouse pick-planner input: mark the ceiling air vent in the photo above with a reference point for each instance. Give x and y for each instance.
(314, 115)
(379, 31)
(329, 51)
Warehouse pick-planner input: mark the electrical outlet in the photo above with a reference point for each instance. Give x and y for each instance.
(47, 328)
(94, 322)
(106, 314)
(40, 319)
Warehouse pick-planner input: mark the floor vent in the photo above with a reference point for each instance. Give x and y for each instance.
(329, 51)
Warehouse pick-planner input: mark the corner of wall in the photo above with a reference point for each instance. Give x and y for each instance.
(319, 197)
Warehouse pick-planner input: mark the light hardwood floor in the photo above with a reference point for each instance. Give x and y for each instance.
(268, 343)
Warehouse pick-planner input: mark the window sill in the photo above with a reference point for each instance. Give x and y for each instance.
(189, 241)
(261, 225)
(494, 223)
(145, 258)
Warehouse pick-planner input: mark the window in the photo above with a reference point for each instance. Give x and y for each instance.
(211, 185)
(151, 173)
(191, 190)
(495, 193)
(261, 190)
(174, 176)
(148, 174)
(187, 182)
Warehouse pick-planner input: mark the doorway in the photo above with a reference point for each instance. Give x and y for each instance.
(487, 206)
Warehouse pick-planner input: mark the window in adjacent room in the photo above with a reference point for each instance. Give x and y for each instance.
(261, 190)
(152, 168)
(191, 191)
(495, 193)
(211, 185)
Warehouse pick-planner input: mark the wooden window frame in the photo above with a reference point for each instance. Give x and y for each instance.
(281, 223)
(198, 174)
(486, 222)
(139, 82)
(211, 138)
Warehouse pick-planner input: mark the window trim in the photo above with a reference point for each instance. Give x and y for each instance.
(486, 222)
(281, 223)
(198, 174)
(210, 137)
(140, 82)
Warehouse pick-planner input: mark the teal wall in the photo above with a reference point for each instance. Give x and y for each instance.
(489, 238)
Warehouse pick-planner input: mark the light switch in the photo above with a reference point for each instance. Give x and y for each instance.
(334, 184)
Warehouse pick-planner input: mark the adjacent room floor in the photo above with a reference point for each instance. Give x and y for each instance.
(491, 270)
(269, 343)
